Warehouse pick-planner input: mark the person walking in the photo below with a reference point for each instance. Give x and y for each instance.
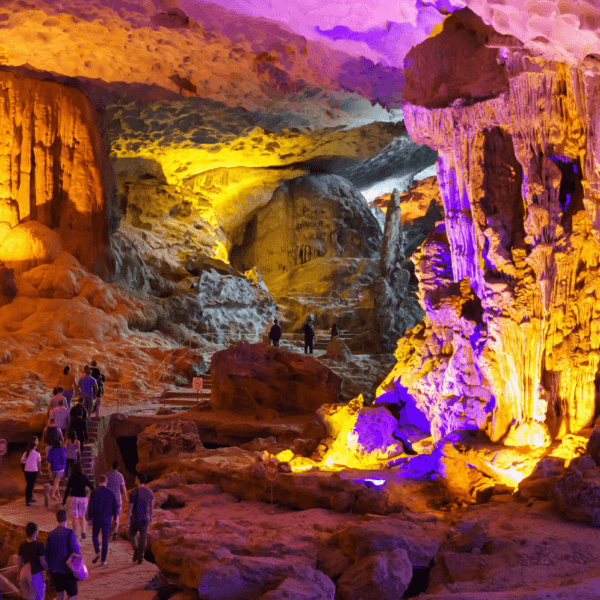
(141, 511)
(76, 488)
(335, 332)
(79, 426)
(98, 401)
(32, 564)
(53, 402)
(61, 543)
(57, 459)
(61, 416)
(78, 407)
(275, 333)
(116, 484)
(68, 382)
(309, 336)
(101, 510)
(31, 461)
(267, 335)
(88, 389)
(72, 451)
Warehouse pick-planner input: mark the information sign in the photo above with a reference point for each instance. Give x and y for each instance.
(361, 297)
(197, 384)
(272, 469)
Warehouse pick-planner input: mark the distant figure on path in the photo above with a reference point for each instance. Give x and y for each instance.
(68, 382)
(61, 543)
(335, 331)
(32, 464)
(99, 395)
(309, 336)
(32, 564)
(79, 426)
(275, 333)
(72, 451)
(116, 484)
(76, 487)
(141, 510)
(101, 510)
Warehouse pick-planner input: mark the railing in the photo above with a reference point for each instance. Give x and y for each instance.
(157, 379)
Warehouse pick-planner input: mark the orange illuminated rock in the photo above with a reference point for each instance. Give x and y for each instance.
(255, 377)
(53, 169)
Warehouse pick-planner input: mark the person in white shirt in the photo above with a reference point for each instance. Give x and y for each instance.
(31, 462)
(61, 416)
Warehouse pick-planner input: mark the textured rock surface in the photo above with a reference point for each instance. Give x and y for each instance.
(56, 170)
(517, 172)
(308, 218)
(258, 378)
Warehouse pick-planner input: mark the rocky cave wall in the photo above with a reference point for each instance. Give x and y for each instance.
(510, 281)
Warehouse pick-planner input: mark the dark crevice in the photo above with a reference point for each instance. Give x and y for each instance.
(129, 454)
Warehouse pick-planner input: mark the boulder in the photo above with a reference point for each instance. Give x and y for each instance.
(380, 576)
(545, 475)
(593, 445)
(28, 245)
(337, 350)
(256, 378)
(576, 497)
(159, 443)
(469, 536)
(314, 585)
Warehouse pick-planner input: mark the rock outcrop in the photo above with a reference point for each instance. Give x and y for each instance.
(56, 172)
(308, 218)
(264, 380)
(509, 283)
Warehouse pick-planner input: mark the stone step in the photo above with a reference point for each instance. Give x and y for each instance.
(186, 393)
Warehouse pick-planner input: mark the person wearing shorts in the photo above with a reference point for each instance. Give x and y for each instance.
(61, 543)
(76, 488)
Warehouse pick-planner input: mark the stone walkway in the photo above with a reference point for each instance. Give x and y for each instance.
(121, 578)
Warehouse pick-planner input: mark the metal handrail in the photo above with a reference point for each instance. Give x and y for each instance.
(187, 351)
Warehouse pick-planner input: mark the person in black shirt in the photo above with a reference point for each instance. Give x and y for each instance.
(78, 425)
(76, 487)
(275, 333)
(335, 332)
(309, 335)
(32, 564)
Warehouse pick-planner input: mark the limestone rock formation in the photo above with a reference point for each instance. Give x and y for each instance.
(509, 282)
(308, 218)
(265, 380)
(56, 170)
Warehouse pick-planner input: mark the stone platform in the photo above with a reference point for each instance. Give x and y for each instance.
(121, 578)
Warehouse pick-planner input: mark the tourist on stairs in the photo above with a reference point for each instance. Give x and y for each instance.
(88, 389)
(309, 335)
(141, 510)
(76, 487)
(68, 382)
(72, 451)
(79, 427)
(32, 564)
(101, 510)
(31, 462)
(275, 333)
(58, 463)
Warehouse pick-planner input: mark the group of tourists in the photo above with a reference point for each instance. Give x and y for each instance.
(89, 386)
(102, 512)
(273, 334)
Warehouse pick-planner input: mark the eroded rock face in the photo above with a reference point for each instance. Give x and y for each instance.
(259, 378)
(510, 282)
(308, 218)
(56, 171)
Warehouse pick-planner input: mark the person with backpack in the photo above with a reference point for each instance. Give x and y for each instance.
(275, 333)
(60, 545)
(32, 564)
(31, 462)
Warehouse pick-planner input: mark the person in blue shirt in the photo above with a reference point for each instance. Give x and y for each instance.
(61, 543)
(102, 509)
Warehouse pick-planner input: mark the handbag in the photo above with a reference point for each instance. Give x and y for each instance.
(77, 566)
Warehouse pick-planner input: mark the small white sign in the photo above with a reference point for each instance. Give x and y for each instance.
(361, 297)
(197, 384)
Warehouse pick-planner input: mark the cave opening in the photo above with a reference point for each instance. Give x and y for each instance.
(570, 195)
(129, 454)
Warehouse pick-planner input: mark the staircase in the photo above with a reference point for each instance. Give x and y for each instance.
(87, 464)
(186, 397)
(295, 341)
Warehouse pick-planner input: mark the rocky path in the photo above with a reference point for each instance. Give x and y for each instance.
(120, 576)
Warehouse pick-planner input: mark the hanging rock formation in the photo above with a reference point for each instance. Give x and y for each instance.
(54, 169)
(510, 281)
